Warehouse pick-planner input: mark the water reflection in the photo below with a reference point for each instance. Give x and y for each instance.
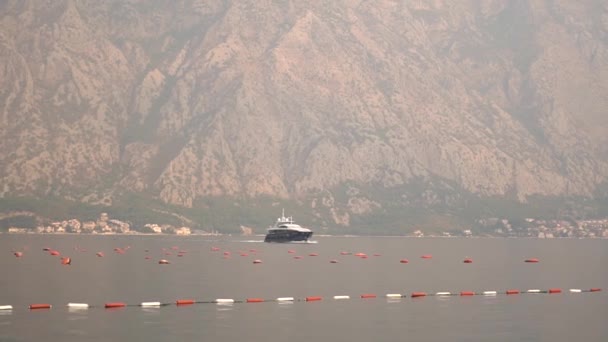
(498, 265)
(224, 309)
(151, 311)
(394, 300)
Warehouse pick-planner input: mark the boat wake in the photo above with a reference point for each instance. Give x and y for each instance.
(303, 242)
(290, 242)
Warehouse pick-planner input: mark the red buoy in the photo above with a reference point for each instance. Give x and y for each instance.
(53, 252)
(18, 254)
(468, 260)
(184, 302)
(115, 305)
(163, 261)
(467, 293)
(255, 300)
(215, 249)
(360, 254)
(40, 306)
(66, 261)
(291, 251)
(555, 291)
(297, 257)
(404, 261)
(99, 254)
(533, 260)
(418, 294)
(426, 256)
(313, 254)
(595, 289)
(313, 298)
(512, 292)
(257, 261)
(344, 253)
(368, 295)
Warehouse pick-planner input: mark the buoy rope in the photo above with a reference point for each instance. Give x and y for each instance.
(365, 296)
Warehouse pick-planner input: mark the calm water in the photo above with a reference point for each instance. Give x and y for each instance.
(205, 275)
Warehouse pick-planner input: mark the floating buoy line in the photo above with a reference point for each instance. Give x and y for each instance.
(366, 296)
(177, 251)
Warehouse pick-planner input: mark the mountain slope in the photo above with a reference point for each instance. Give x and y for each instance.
(187, 100)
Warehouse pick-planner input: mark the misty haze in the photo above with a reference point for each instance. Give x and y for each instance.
(317, 170)
(359, 116)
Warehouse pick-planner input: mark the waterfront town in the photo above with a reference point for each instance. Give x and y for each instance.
(103, 225)
(533, 228)
(489, 227)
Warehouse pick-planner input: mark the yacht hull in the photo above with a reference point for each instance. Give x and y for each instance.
(286, 235)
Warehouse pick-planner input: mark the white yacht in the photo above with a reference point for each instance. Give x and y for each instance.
(286, 230)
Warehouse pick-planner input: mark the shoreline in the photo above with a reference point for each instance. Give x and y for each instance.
(323, 236)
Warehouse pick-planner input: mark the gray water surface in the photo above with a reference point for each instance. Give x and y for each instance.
(205, 275)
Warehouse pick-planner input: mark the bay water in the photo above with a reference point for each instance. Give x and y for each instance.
(222, 267)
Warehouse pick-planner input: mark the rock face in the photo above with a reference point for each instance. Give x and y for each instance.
(187, 99)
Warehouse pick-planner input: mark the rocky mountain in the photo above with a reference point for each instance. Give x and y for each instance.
(354, 109)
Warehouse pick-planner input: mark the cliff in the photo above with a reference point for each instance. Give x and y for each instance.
(349, 107)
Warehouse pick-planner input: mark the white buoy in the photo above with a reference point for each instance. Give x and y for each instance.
(150, 304)
(78, 305)
(490, 293)
(6, 307)
(224, 301)
(442, 294)
(533, 291)
(341, 297)
(394, 295)
(576, 290)
(285, 299)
